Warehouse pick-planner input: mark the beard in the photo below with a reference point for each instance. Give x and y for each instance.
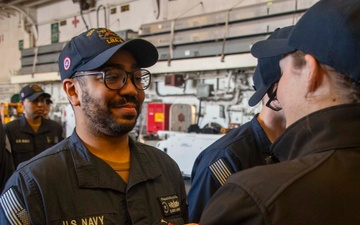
(102, 121)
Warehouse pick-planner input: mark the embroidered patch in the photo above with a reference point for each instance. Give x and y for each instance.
(170, 205)
(67, 63)
(109, 36)
(220, 170)
(14, 211)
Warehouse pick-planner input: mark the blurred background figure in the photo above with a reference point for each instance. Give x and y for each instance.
(31, 133)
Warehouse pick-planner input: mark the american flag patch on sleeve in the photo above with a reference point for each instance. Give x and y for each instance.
(14, 211)
(220, 170)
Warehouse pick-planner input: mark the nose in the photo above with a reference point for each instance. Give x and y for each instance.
(129, 88)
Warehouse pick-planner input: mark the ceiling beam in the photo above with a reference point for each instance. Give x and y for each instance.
(36, 3)
(29, 3)
(15, 2)
(7, 12)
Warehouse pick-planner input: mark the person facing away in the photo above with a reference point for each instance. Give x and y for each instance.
(99, 174)
(317, 179)
(244, 147)
(31, 134)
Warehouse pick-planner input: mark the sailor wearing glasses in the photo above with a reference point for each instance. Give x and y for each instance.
(99, 175)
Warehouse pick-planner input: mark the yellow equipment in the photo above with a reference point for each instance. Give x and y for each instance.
(10, 111)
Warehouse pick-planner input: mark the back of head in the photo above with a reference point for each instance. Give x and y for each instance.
(329, 30)
(267, 71)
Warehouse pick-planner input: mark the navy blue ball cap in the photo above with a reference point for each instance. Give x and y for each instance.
(270, 48)
(32, 92)
(93, 48)
(267, 71)
(329, 31)
(258, 87)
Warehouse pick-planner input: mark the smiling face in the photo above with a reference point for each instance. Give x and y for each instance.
(110, 112)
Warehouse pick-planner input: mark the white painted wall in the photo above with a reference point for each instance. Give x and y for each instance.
(11, 32)
(9, 51)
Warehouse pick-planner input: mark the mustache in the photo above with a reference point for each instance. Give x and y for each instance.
(125, 100)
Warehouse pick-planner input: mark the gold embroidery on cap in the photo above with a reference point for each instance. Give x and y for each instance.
(90, 32)
(35, 88)
(109, 36)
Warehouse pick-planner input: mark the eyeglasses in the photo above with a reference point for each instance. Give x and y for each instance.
(115, 78)
(273, 98)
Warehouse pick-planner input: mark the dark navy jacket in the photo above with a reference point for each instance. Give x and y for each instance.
(316, 182)
(25, 143)
(244, 147)
(6, 162)
(68, 185)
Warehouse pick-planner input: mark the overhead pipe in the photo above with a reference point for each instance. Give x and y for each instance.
(83, 19)
(97, 15)
(28, 17)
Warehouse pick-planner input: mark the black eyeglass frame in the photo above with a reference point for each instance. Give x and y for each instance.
(103, 73)
(272, 98)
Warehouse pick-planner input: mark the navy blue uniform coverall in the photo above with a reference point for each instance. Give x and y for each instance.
(316, 182)
(244, 147)
(68, 185)
(25, 143)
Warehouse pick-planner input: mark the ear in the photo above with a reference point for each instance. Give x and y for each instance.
(72, 91)
(314, 76)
